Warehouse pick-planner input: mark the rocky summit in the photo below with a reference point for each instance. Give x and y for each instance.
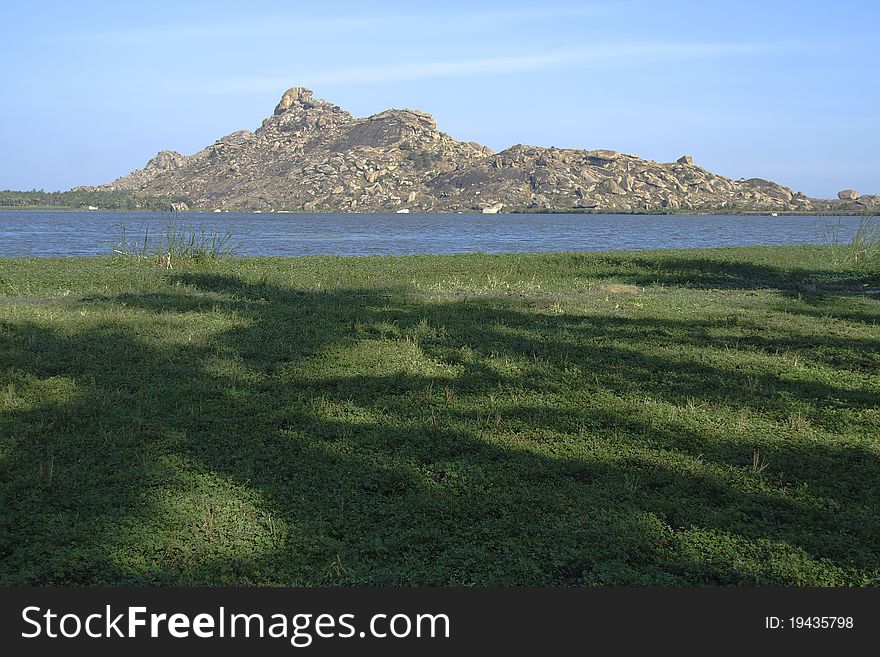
(311, 155)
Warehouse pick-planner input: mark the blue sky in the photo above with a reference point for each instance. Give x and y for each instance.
(783, 90)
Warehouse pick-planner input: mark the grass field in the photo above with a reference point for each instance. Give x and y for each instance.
(645, 418)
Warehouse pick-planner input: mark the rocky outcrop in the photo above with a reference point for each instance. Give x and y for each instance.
(310, 155)
(296, 96)
(164, 161)
(848, 195)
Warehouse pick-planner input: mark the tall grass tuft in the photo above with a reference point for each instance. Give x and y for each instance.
(863, 246)
(178, 242)
(196, 243)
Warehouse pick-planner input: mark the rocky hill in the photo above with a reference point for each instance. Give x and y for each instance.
(310, 155)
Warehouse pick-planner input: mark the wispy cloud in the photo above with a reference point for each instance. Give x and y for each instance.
(600, 55)
(288, 25)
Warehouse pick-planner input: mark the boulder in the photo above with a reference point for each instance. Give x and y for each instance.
(611, 187)
(685, 159)
(291, 97)
(602, 154)
(848, 195)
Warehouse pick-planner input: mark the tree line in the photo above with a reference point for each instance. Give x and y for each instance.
(83, 199)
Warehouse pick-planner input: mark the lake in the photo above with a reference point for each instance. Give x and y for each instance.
(61, 233)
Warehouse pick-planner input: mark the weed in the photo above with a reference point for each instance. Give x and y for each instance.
(759, 463)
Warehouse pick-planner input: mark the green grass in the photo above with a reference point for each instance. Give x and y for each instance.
(647, 418)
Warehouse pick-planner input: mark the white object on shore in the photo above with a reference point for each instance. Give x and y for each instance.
(258, 211)
(495, 208)
(92, 207)
(218, 210)
(774, 214)
(403, 211)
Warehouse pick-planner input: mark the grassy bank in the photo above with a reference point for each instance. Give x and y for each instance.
(678, 417)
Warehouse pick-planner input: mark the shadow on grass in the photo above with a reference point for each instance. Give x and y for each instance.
(735, 273)
(516, 451)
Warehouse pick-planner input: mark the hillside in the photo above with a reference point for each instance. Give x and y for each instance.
(311, 155)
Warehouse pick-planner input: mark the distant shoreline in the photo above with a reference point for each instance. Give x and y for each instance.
(843, 213)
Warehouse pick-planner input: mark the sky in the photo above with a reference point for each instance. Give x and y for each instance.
(788, 91)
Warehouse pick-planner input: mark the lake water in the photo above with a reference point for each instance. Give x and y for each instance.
(59, 233)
